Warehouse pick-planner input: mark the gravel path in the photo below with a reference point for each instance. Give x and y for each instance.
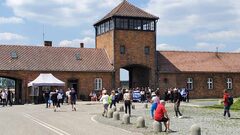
(211, 121)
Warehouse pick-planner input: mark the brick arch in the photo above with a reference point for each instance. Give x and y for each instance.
(138, 75)
(18, 86)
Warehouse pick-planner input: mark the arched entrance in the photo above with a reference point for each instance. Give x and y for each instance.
(14, 86)
(138, 75)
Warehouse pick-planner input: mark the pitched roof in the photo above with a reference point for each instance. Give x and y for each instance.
(33, 58)
(126, 9)
(181, 61)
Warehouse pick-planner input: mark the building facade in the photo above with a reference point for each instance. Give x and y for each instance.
(125, 38)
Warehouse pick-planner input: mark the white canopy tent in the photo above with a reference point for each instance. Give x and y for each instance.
(46, 80)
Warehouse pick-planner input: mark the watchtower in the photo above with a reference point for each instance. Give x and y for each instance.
(129, 36)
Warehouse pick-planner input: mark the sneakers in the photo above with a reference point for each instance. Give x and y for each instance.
(180, 117)
(174, 116)
(169, 130)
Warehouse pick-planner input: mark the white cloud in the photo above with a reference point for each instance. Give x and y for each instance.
(12, 20)
(11, 36)
(88, 42)
(221, 35)
(62, 12)
(209, 46)
(179, 17)
(161, 47)
(238, 50)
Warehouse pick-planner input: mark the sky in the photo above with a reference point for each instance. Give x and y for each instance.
(184, 25)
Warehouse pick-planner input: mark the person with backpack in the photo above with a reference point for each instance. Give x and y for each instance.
(227, 101)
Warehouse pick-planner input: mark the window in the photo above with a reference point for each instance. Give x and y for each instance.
(189, 83)
(111, 24)
(229, 83)
(210, 83)
(98, 84)
(147, 50)
(107, 26)
(122, 49)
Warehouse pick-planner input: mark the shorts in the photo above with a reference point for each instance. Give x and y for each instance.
(164, 119)
(73, 102)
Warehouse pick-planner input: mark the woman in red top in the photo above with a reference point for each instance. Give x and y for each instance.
(226, 104)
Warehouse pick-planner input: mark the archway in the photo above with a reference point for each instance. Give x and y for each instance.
(124, 78)
(14, 86)
(138, 75)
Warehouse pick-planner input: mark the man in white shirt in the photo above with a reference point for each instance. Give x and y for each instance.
(104, 100)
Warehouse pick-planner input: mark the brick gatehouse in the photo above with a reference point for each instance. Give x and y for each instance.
(125, 38)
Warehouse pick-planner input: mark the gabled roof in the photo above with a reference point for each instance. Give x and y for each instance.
(183, 61)
(125, 9)
(34, 58)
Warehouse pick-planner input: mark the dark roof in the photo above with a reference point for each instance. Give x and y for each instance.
(184, 61)
(35, 58)
(126, 9)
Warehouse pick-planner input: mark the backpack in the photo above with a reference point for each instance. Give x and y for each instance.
(230, 100)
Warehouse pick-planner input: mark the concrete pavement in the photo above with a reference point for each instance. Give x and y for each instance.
(38, 120)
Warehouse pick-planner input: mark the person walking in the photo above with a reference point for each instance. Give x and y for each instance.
(127, 97)
(9, 97)
(113, 99)
(59, 99)
(54, 99)
(155, 101)
(161, 115)
(226, 103)
(104, 100)
(46, 97)
(4, 98)
(73, 99)
(177, 99)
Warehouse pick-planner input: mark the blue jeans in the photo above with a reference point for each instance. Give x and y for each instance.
(153, 108)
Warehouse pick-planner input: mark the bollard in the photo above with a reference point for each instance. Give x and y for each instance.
(157, 126)
(145, 105)
(140, 122)
(116, 116)
(121, 109)
(114, 109)
(110, 113)
(195, 130)
(126, 119)
(133, 107)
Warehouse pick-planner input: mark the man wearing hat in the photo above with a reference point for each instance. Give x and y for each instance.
(177, 99)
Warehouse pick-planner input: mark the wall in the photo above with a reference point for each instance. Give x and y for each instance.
(86, 80)
(200, 83)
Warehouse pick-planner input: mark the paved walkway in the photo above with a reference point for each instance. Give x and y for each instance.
(37, 120)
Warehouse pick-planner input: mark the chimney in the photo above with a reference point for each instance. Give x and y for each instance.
(48, 43)
(81, 45)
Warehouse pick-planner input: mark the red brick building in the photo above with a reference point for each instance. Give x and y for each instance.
(125, 38)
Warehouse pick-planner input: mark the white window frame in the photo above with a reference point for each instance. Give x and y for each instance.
(229, 83)
(190, 83)
(210, 83)
(98, 84)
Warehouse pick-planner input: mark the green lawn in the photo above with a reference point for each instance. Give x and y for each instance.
(235, 106)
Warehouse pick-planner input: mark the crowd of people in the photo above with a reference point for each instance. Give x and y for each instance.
(57, 97)
(6, 97)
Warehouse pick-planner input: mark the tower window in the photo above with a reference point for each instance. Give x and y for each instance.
(147, 50)
(122, 49)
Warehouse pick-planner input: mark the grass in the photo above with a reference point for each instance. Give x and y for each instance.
(235, 106)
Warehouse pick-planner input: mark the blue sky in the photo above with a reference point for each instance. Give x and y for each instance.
(189, 25)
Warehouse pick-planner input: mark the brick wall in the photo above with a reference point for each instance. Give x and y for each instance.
(200, 89)
(85, 80)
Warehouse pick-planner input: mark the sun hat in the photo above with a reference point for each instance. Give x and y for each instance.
(153, 94)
